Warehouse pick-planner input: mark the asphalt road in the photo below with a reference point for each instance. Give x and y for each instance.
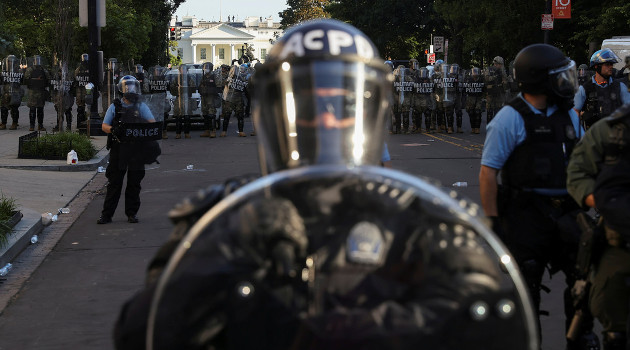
(66, 291)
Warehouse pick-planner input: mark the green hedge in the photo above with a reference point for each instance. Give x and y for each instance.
(57, 146)
(8, 207)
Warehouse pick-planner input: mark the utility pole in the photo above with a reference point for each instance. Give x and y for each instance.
(547, 11)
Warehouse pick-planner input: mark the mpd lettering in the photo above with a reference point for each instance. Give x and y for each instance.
(314, 40)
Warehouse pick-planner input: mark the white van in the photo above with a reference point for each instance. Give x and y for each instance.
(620, 46)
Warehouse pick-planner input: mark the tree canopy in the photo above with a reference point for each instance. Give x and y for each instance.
(476, 30)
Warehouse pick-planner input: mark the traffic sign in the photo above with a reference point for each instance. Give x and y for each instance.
(431, 58)
(561, 9)
(438, 44)
(547, 21)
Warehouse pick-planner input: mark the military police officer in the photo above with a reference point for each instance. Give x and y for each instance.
(598, 176)
(61, 95)
(423, 104)
(496, 86)
(37, 79)
(474, 89)
(81, 79)
(233, 91)
(12, 80)
(210, 99)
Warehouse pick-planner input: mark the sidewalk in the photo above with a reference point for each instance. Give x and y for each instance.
(38, 185)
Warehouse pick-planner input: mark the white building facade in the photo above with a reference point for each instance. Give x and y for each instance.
(223, 42)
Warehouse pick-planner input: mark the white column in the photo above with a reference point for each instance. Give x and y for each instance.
(213, 53)
(231, 53)
(194, 53)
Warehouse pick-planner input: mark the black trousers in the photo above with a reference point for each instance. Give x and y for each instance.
(115, 175)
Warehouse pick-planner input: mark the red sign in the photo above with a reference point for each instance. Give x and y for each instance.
(547, 22)
(561, 8)
(431, 58)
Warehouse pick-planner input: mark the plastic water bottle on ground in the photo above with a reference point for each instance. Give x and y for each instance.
(64, 210)
(460, 184)
(34, 239)
(190, 167)
(5, 269)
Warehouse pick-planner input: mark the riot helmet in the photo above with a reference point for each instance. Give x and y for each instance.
(604, 56)
(475, 72)
(129, 87)
(138, 69)
(321, 103)
(544, 69)
(207, 67)
(582, 71)
(11, 64)
(498, 60)
(84, 59)
(453, 70)
(438, 66)
(37, 60)
(414, 64)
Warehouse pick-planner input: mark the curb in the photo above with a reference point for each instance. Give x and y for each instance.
(100, 159)
(31, 224)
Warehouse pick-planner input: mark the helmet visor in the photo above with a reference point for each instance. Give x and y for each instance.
(130, 87)
(564, 80)
(327, 112)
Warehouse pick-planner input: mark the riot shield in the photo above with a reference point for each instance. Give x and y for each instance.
(328, 257)
(157, 86)
(235, 83)
(401, 84)
(12, 81)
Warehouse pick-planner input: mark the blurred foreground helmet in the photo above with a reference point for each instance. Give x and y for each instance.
(129, 86)
(544, 69)
(321, 98)
(604, 56)
(390, 65)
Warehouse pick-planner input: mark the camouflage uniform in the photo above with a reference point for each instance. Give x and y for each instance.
(445, 94)
(81, 78)
(496, 86)
(182, 88)
(403, 97)
(233, 99)
(61, 96)
(210, 99)
(473, 88)
(423, 103)
(37, 80)
(12, 79)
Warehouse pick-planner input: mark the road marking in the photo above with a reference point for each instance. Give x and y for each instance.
(473, 147)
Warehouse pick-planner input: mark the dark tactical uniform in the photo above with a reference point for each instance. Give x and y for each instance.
(496, 86)
(61, 96)
(445, 94)
(233, 99)
(600, 100)
(81, 79)
(474, 89)
(210, 99)
(12, 93)
(403, 98)
(423, 104)
(125, 158)
(600, 165)
(37, 80)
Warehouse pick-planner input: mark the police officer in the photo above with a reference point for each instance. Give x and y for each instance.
(81, 79)
(12, 80)
(445, 95)
(455, 92)
(496, 86)
(210, 99)
(584, 74)
(37, 79)
(601, 95)
(474, 89)
(182, 87)
(157, 100)
(233, 91)
(423, 104)
(530, 141)
(124, 158)
(598, 176)
(404, 84)
(406, 279)
(61, 95)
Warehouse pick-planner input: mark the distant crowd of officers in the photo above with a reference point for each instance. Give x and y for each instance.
(186, 92)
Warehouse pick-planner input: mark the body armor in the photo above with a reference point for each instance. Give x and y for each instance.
(600, 101)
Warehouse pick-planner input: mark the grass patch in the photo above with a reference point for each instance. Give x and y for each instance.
(57, 146)
(8, 207)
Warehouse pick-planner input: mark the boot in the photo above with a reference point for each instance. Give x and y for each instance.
(213, 134)
(241, 134)
(31, 128)
(3, 126)
(205, 134)
(13, 126)
(459, 130)
(41, 128)
(187, 135)
(450, 130)
(253, 133)
(178, 136)
(164, 134)
(223, 134)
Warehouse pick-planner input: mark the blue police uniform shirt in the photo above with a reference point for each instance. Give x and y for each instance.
(145, 112)
(507, 130)
(580, 96)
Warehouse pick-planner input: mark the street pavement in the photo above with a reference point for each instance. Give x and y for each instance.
(66, 291)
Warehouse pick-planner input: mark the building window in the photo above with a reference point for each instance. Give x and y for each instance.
(263, 54)
(203, 53)
(221, 54)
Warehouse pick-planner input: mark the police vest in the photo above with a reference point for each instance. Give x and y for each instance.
(612, 186)
(600, 101)
(541, 160)
(208, 85)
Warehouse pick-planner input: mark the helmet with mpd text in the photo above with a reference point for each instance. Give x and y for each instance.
(129, 87)
(321, 97)
(543, 69)
(604, 56)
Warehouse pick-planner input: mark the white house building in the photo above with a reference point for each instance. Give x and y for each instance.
(221, 42)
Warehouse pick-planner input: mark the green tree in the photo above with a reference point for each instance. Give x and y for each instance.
(303, 10)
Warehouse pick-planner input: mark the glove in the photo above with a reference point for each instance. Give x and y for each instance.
(117, 131)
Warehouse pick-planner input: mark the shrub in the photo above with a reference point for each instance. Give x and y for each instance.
(8, 207)
(57, 146)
